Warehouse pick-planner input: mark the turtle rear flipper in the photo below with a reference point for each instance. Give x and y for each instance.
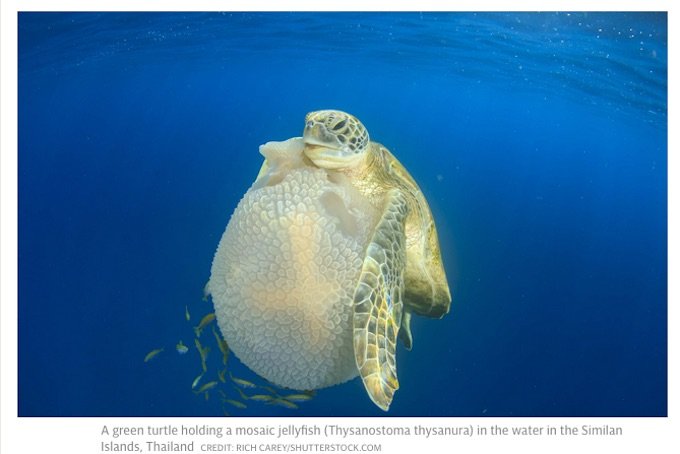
(378, 303)
(405, 331)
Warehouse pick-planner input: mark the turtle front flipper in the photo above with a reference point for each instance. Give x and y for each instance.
(378, 303)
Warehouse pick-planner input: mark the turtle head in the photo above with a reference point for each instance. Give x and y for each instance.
(334, 139)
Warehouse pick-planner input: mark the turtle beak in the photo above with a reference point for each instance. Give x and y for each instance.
(324, 148)
(318, 134)
(320, 143)
(321, 153)
(329, 157)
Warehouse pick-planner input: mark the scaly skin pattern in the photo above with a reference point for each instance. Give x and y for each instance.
(402, 270)
(426, 287)
(340, 143)
(378, 303)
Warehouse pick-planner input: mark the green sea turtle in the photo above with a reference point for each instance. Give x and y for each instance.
(325, 259)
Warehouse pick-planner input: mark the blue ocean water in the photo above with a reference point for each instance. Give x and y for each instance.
(540, 140)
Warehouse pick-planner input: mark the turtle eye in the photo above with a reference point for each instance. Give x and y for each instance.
(340, 125)
(310, 123)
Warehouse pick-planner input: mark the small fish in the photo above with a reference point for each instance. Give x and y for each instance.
(236, 403)
(207, 395)
(203, 351)
(204, 359)
(218, 338)
(274, 392)
(221, 375)
(298, 397)
(181, 348)
(206, 291)
(205, 321)
(261, 398)
(186, 313)
(241, 382)
(224, 348)
(206, 387)
(152, 354)
(243, 395)
(283, 403)
(196, 380)
(199, 347)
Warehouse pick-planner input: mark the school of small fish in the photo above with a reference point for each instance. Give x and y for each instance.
(268, 395)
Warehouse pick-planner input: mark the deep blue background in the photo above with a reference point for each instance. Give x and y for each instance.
(539, 140)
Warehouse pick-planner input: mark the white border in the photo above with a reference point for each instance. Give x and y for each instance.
(82, 435)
